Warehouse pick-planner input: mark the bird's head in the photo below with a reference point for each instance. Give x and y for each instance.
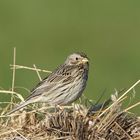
(77, 59)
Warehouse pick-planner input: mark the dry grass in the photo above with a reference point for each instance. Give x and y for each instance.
(42, 122)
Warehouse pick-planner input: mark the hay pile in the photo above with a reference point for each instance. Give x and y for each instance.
(71, 123)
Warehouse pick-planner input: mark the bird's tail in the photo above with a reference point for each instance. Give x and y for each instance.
(21, 105)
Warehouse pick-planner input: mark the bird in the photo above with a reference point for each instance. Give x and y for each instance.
(63, 86)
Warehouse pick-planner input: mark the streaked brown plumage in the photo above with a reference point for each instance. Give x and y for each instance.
(64, 85)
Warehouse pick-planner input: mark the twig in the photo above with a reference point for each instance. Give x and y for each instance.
(121, 97)
(12, 92)
(132, 106)
(123, 131)
(19, 133)
(129, 90)
(37, 72)
(29, 68)
(14, 72)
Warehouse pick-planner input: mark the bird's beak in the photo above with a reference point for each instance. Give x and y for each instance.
(84, 60)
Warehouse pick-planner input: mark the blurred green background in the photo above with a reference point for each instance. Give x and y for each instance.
(45, 32)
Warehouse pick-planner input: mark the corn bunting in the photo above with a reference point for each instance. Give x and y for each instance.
(63, 86)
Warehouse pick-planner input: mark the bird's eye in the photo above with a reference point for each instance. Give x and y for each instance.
(76, 58)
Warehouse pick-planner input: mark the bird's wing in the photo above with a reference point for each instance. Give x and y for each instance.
(59, 76)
